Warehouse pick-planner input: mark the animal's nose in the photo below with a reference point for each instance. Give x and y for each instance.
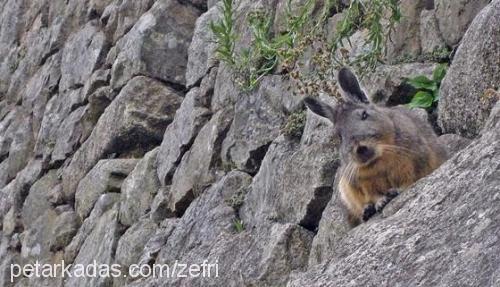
(364, 153)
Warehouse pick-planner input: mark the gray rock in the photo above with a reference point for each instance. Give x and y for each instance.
(14, 194)
(386, 85)
(438, 230)
(121, 16)
(454, 17)
(157, 44)
(201, 53)
(160, 206)
(131, 245)
(293, 185)
(405, 38)
(59, 128)
(263, 256)
(257, 121)
(430, 36)
(16, 144)
(40, 87)
(198, 166)
(98, 247)
(178, 137)
(139, 189)
(103, 204)
(64, 229)
(475, 68)
(82, 54)
(333, 226)
(225, 91)
(133, 123)
(37, 201)
(106, 176)
(157, 241)
(453, 143)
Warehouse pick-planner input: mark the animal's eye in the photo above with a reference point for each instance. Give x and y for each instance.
(364, 115)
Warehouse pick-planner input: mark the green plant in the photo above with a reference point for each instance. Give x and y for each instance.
(270, 49)
(266, 49)
(238, 225)
(223, 32)
(427, 89)
(368, 15)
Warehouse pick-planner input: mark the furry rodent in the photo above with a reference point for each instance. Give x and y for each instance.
(383, 150)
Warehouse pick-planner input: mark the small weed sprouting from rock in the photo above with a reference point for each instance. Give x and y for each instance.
(223, 32)
(294, 126)
(238, 225)
(427, 93)
(367, 15)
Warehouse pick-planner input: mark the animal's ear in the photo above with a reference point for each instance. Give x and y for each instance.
(350, 85)
(320, 108)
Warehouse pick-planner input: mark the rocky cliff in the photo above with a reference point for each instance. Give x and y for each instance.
(124, 140)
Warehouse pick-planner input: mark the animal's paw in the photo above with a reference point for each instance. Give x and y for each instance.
(382, 202)
(369, 211)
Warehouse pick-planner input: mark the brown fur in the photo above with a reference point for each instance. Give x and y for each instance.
(403, 148)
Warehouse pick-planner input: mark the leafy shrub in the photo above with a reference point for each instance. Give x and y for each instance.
(427, 93)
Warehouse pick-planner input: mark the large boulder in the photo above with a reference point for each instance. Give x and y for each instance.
(293, 185)
(98, 248)
(405, 38)
(133, 123)
(139, 189)
(454, 17)
(82, 54)
(189, 119)
(106, 176)
(442, 231)
(157, 44)
(16, 143)
(261, 256)
(475, 68)
(198, 166)
(120, 16)
(386, 84)
(202, 49)
(258, 117)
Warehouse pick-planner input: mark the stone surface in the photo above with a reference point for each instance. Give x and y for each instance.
(131, 245)
(82, 54)
(104, 203)
(255, 256)
(139, 189)
(386, 85)
(188, 120)
(453, 143)
(258, 118)
(106, 176)
(134, 121)
(430, 35)
(435, 230)
(475, 68)
(405, 38)
(213, 175)
(454, 17)
(293, 185)
(104, 236)
(157, 44)
(198, 166)
(202, 48)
